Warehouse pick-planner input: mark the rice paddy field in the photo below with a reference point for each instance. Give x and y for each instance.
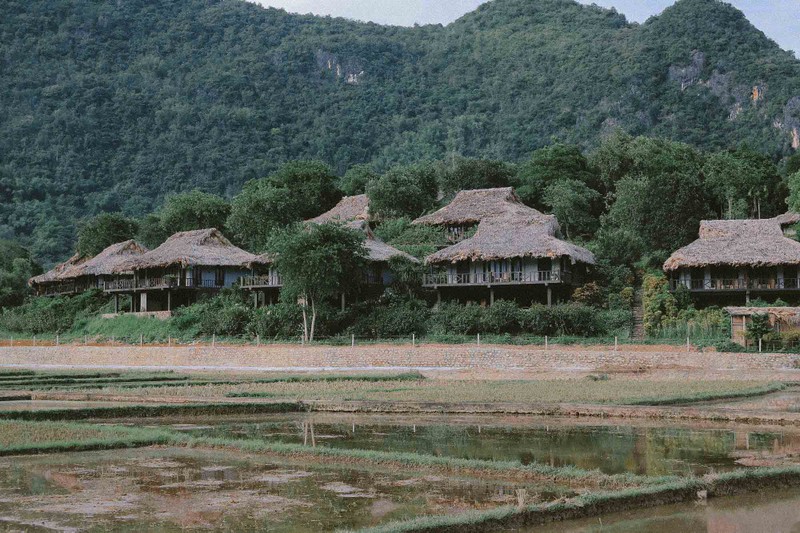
(125, 451)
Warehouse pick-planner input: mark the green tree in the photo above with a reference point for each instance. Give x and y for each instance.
(194, 210)
(794, 192)
(16, 268)
(103, 230)
(356, 178)
(152, 231)
(466, 174)
(317, 262)
(299, 191)
(551, 165)
(759, 326)
(575, 205)
(744, 183)
(403, 191)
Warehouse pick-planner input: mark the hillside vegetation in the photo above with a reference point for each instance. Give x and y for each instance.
(110, 106)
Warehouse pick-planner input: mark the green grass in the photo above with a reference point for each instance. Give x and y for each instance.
(23, 437)
(150, 411)
(597, 503)
(711, 395)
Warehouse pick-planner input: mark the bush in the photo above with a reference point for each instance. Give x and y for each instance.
(279, 321)
(728, 345)
(400, 317)
(456, 319)
(52, 315)
(503, 316)
(226, 314)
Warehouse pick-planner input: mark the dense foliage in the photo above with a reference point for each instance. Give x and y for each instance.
(110, 106)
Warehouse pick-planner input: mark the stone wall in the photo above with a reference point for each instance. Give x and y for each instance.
(391, 356)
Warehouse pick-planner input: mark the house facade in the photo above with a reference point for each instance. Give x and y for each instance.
(186, 266)
(502, 249)
(733, 261)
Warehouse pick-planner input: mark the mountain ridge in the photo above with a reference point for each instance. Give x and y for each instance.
(110, 106)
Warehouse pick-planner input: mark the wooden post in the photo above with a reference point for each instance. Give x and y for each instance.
(116, 303)
(169, 300)
(549, 296)
(413, 340)
(688, 345)
(545, 342)
(213, 339)
(352, 340)
(491, 296)
(58, 340)
(479, 339)
(343, 301)
(759, 345)
(141, 339)
(258, 340)
(616, 344)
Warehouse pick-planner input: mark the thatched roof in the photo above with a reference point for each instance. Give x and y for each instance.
(57, 272)
(785, 313)
(750, 243)
(509, 237)
(471, 207)
(377, 250)
(348, 208)
(203, 247)
(107, 261)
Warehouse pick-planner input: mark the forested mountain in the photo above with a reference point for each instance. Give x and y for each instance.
(108, 105)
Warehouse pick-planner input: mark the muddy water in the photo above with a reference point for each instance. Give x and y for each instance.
(640, 448)
(766, 512)
(177, 489)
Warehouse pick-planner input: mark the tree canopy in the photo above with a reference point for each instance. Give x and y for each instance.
(101, 231)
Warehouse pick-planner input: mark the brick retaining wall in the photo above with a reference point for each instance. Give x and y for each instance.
(427, 356)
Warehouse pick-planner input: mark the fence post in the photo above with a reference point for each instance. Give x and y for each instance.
(258, 340)
(352, 340)
(57, 339)
(34, 340)
(141, 339)
(688, 345)
(213, 339)
(546, 342)
(479, 339)
(759, 345)
(413, 340)
(11, 342)
(616, 344)
(169, 340)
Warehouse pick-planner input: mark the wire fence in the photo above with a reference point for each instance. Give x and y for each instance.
(543, 342)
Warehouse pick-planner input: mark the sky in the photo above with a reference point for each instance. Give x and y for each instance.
(779, 19)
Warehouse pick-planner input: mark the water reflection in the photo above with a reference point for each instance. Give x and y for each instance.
(641, 449)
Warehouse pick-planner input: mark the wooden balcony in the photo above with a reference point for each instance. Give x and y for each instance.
(540, 277)
(260, 282)
(159, 283)
(62, 289)
(737, 284)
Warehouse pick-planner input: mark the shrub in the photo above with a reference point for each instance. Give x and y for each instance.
(226, 314)
(279, 321)
(728, 345)
(456, 319)
(504, 316)
(398, 317)
(588, 294)
(52, 315)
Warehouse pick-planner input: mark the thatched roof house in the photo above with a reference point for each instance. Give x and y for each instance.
(471, 207)
(510, 237)
(60, 272)
(349, 208)
(354, 212)
(738, 243)
(203, 247)
(106, 262)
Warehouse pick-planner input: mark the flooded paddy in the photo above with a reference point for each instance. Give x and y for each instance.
(768, 511)
(174, 489)
(613, 447)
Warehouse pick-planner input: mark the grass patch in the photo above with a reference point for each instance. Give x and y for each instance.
(578, 390)
(565, 474)
(707, 396)
(151, 411)
(22, 437)
(595, 504)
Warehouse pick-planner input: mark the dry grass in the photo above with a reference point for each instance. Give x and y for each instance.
(456, 391)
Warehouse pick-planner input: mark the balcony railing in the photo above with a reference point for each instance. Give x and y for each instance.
(260, 282)
(60, 289)
(164, 282)
(492, 278)
(737, 284)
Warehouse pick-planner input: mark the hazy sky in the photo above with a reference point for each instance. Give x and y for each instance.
(779, 19)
